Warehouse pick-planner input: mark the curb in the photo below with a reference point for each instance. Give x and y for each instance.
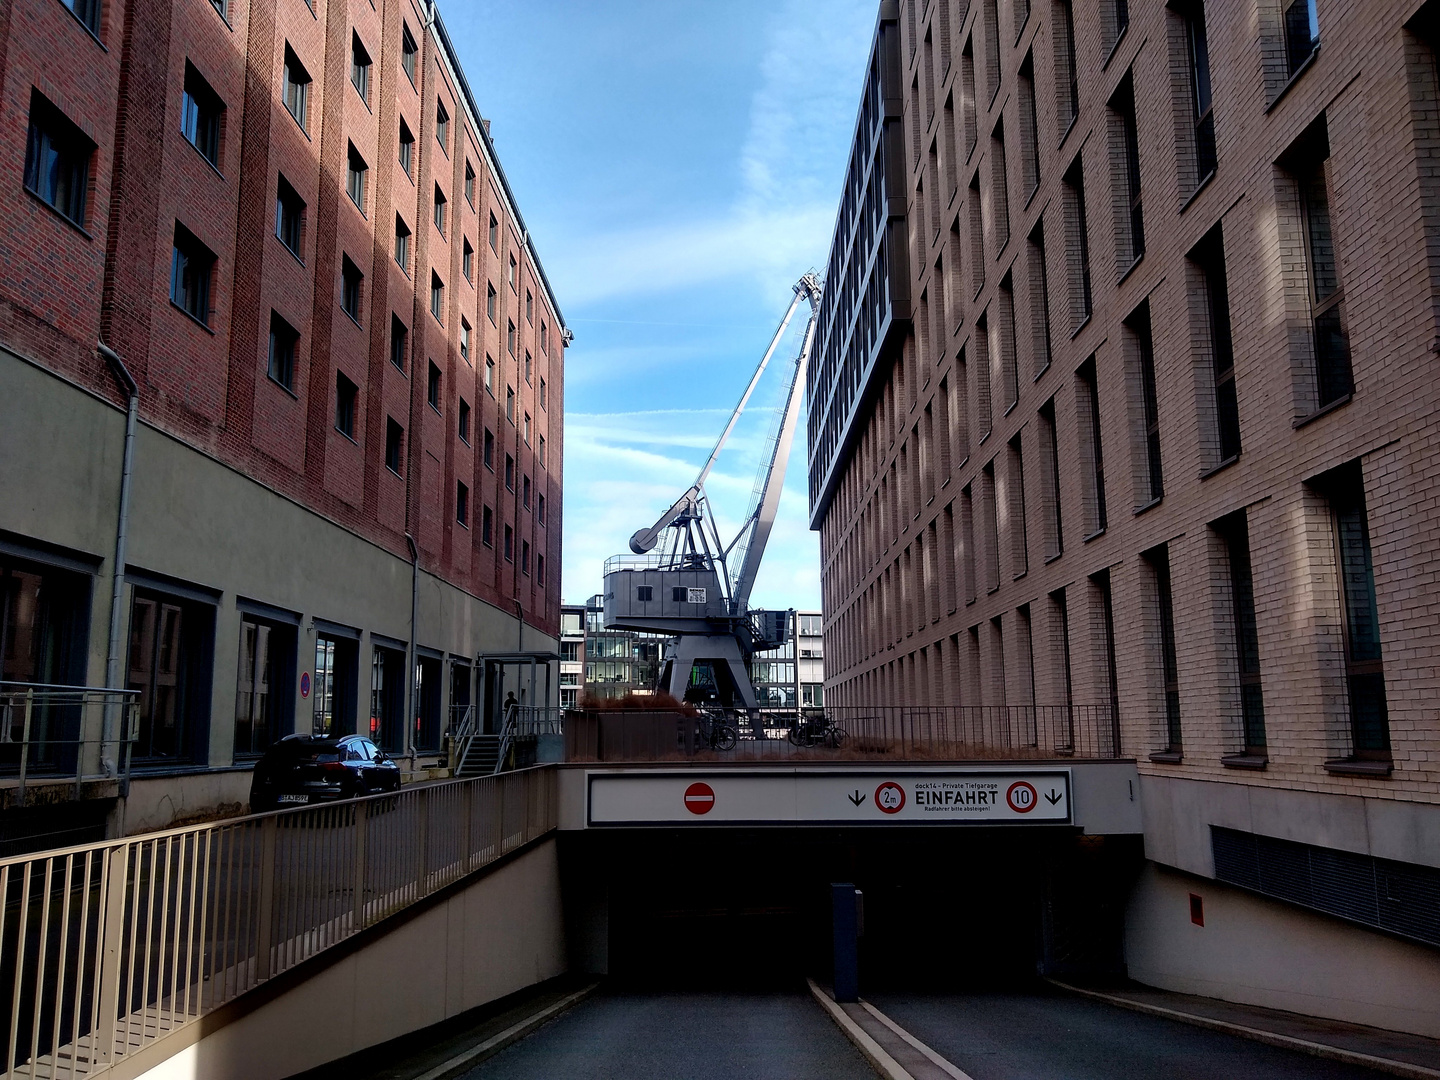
(879, 1060)
(463, 1062)
(1271, 1038)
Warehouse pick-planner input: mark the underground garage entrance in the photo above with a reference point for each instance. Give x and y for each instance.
(944, 908)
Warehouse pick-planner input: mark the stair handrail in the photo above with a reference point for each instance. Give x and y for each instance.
(527, 720)
(462, 733)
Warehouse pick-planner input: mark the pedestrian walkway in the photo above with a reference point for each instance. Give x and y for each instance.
(1393, 1052)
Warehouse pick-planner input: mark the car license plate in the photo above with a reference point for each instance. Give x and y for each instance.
(293, 799)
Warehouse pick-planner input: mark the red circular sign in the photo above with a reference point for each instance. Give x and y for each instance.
(1022, 797)
(305, 684)
(699, 798)
(890, 797)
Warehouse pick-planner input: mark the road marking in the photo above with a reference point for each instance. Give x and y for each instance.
(514, 1033)
(879, 1060)
(935, 1059)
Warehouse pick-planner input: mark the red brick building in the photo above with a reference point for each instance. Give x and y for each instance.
(1124, 410)
(288, 223)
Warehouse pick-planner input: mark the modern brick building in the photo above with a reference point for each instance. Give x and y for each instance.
(286, 222)
(1125, 396)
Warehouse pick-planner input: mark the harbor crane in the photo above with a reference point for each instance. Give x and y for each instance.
(687, 589)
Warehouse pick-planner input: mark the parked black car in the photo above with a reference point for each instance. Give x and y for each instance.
(302, 769)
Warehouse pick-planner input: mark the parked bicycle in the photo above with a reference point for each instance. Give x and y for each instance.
(807, 731)
(712, 730)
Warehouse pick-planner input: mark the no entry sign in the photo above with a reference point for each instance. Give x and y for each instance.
(699, 798)
(831, 796)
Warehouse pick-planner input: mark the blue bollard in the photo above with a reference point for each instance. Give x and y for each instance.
(846, 925)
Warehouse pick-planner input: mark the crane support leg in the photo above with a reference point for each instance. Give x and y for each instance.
(718, 650)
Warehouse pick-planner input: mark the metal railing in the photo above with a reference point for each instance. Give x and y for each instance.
(57, 733)
(920, 733)
(463, 728)
(526, 722)
(107, 947)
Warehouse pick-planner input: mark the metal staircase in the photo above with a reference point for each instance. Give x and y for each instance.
(480, 755)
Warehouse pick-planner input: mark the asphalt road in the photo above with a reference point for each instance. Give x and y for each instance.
(1042, 1036)
(689, 1036)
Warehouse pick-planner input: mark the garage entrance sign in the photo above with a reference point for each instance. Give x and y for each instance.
(796, 796)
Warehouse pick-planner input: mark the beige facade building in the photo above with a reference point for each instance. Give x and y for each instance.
(1125, 396)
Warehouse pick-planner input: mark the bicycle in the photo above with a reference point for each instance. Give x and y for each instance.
(713, 733)
(806, 731)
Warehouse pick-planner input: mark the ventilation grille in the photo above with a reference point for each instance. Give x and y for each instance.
(1397, 897)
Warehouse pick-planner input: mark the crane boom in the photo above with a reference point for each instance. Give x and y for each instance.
(645, 539)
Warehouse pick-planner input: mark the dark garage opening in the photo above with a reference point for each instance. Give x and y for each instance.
(944, 909)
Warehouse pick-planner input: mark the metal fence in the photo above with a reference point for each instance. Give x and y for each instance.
(924, 732)
(107, 947)
(50, 734)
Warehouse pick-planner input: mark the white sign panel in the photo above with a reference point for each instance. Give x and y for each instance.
(953, 797)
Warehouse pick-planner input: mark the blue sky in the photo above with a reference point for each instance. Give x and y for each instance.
(679, 166)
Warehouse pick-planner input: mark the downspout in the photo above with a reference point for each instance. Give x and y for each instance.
(409, 743)
(117, 576)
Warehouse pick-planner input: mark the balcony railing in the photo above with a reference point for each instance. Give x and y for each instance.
(885, 733)
(57, 734)
(107, 947)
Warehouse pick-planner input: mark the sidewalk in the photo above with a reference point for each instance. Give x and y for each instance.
(1388, 1051)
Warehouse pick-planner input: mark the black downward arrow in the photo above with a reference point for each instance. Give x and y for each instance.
(1054, 797)
(858, 797)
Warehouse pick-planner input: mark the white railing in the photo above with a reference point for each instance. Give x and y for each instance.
(463, 728)
(107, 947)
(527, 720)
(71, 734)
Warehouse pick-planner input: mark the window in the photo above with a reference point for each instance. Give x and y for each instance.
(283, 338)
(1050, 500)
(469, 184)
(1089, 410)
(351, 285)
(542, 392)
(1039, 300)
(1209, 259)
(465, 337)
(1015, 501)
(402, 244)
(88, 12)
(1310, 167)
(407, 148)
(488, 455)
(494, 235)
(1100, 584)
(345, 395)
(394, 443)
(200, 113)
(525, 492)
(1158, 561)
(295, 87)
(540, 570)
(1142, 353)
(1122, 105)
(398, 337)
(510, 404)
(529, 307)
(1119, 19)
(437, 297)
(510, 336)
(1078, 245)
(509, 544)
(540, 508)
(171, 655)
(462, 503)
(467, 260)
(511, 278)
(1029, 127)
(1302, 34)
(1344, 492)
(289, 216)
(526, 429)
(509, 473)
(1235, 536)
(490, 302)
(544, 338)
(529, 364)
(359, 68)
(487, 527)
(191, 268)
(439, 210)
(542, 452)
(489, 375)
(464, 421)
(442, 126)
(57, 160)
(408, 51)
(525, 556)
(355, 171)
(1067, 81)
(432, 387)
(1197, 47)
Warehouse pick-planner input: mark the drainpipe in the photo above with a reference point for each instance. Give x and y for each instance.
(117, 576)
(410, 671)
